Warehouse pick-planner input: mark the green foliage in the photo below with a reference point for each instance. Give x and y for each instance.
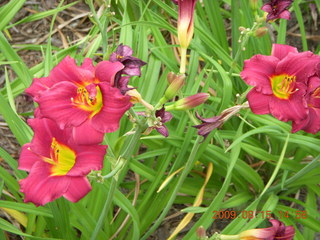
(257, 163)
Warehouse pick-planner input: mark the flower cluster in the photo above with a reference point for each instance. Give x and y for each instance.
(287, 85)
(77, 106)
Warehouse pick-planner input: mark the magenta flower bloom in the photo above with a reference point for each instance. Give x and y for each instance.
(82, 98)
(57, 165)
(277, 9)
(277, 231)
(185, 21)
(311, 123)
(280, 82)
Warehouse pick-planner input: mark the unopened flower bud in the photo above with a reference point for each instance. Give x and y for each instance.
(242, 29)
(253, 4)
(171, 76)
(260, 32)
(175, 86)
(189, 102)
(185, 22)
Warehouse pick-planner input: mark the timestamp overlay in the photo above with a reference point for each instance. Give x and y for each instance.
(232, 214)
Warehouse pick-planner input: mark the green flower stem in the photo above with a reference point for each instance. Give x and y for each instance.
(191, 160)
(183, 61)
(126, 155)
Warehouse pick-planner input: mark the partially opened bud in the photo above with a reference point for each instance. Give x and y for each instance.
(175, 86)
(189, 102)
(185, 22)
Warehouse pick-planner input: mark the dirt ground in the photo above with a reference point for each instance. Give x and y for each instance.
(37, 33)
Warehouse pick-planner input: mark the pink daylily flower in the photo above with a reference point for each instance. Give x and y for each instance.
(83, 98)
(280, 82)
(57, 165)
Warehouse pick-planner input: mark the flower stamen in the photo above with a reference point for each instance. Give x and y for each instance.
(283, 85)
(62, 158)
(88, 101)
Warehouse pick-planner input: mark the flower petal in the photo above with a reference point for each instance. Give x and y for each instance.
(56, 104)
(258, 102)
(311, 124)
(106, 71)
(40, 84)
(267, 7)
(204, 129)
(313, 84)
(163, 130)
(280, 51)
(114, 106)
(68, 70)
(258, 70)
(44, 130)
(40, 188)
(88, 65)
(302, 65)
(78, 188)
(88, 158)
(27, 158)
(85, 134)
(293, 109)
(122, 51)
(285, 15)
